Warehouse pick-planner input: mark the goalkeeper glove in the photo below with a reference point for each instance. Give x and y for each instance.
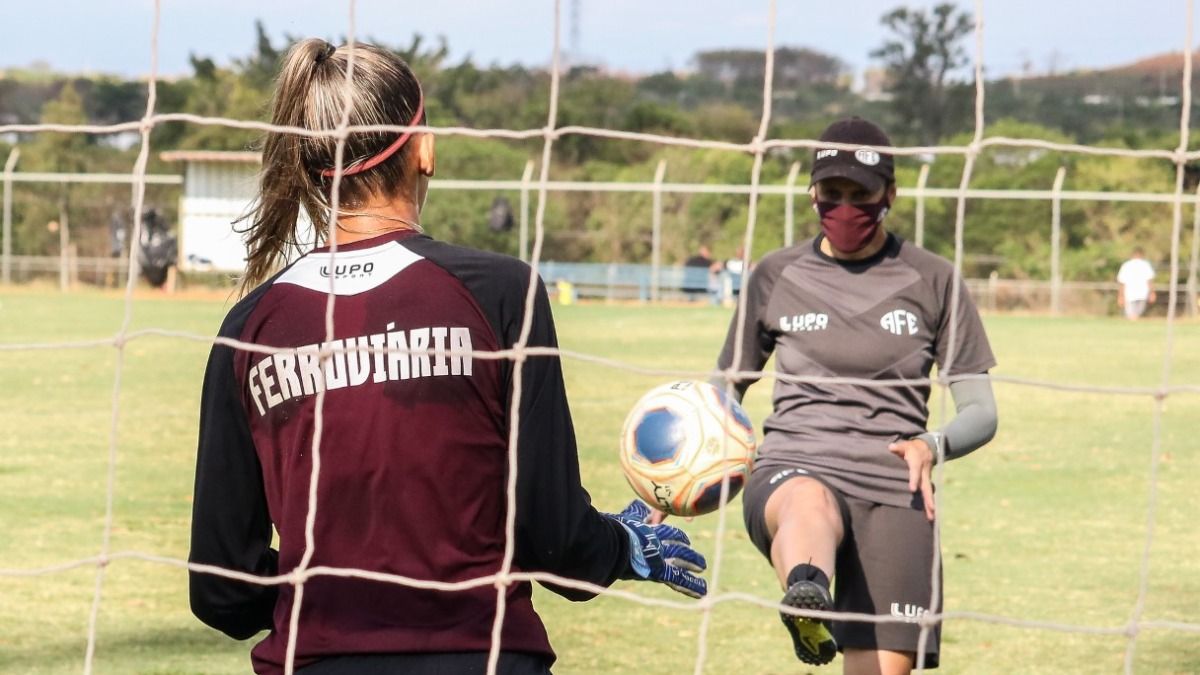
(661, 553)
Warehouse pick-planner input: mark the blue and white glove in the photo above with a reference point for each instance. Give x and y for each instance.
(661, 553)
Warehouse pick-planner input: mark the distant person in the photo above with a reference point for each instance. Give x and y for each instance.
(697, 272)
(118, 236)
(416, 446)
(841, 490)
(118, 233)
(1136, 285)
(735, 269)
(159, 249)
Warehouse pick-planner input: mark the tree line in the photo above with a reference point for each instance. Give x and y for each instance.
(926, 98)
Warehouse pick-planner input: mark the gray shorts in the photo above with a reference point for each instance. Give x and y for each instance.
(1134, 308)
(884, 565)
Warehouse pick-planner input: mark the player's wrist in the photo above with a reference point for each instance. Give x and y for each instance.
(932, 440)
(638, 565)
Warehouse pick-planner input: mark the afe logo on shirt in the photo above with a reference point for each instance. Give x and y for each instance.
(899, 322)
(867, 156)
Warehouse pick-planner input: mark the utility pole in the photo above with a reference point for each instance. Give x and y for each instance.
(576, 47)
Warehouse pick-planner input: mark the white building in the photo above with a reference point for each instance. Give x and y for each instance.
(218, 188)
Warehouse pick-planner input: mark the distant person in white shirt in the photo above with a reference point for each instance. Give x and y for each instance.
(1136, 288)
(734, 268)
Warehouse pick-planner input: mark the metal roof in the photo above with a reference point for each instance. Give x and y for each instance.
(212, 156)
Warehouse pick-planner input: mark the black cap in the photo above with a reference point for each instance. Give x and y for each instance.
(868, 168)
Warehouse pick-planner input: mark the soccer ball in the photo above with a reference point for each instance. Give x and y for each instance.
(680, 440)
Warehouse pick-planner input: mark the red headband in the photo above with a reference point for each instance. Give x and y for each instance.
(390, 150)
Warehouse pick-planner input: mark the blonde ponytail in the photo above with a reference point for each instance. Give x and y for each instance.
(310, 93)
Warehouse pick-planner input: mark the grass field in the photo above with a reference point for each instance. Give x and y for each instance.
(1046, 524)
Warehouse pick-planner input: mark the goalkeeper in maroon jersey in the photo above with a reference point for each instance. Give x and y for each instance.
(414, 425)
(841, 488)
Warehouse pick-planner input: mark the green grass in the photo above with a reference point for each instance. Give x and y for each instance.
(1045, 524)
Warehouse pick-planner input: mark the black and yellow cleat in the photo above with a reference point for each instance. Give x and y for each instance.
(811, 637)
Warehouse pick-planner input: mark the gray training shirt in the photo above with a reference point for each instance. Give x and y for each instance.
(884, 318)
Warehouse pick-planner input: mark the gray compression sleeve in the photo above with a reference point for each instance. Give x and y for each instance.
(973, 425)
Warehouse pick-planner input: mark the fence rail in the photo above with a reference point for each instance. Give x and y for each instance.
(656, 286)
(69, 270)
(618, 282)
(625, 281)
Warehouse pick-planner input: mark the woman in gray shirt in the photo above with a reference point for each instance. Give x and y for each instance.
(842, 485)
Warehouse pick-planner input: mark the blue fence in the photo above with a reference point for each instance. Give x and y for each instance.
(627, 281)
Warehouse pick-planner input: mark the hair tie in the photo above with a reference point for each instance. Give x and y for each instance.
(372, 162)
(326, 52)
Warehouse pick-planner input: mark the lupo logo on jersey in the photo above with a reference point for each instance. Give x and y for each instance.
(354, 271)
(898, 321)
(910, 613)
(810, 321)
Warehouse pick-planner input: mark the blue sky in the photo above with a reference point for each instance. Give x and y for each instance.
(630, 35)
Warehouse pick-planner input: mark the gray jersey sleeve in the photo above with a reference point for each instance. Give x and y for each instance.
(974, 422)
(969, 353)
(757, 341)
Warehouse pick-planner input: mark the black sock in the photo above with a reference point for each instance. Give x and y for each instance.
(807, 572)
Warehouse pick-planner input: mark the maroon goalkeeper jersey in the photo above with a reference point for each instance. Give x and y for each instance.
(413, 450)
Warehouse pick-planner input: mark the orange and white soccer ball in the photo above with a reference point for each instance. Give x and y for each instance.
(680, 440)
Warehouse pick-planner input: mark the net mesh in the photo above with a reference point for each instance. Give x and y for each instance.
(758, 146)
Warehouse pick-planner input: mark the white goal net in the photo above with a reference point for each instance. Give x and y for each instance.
(105, 558)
